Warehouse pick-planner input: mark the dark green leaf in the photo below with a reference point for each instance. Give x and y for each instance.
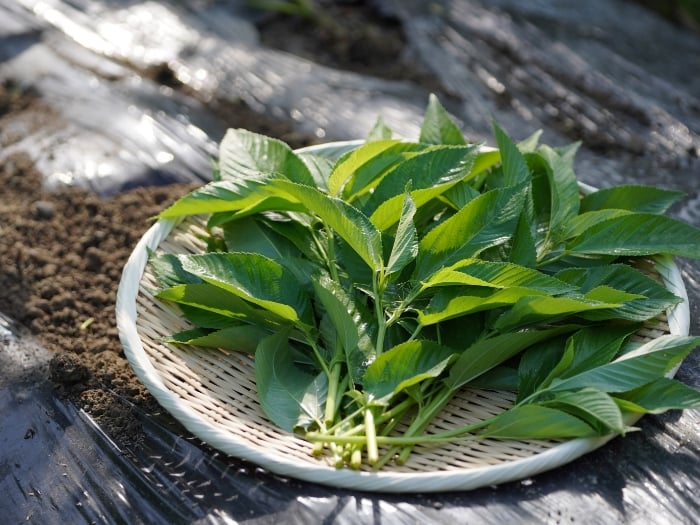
(639, 234)
(655, 298)
(515, 170)
(634, 369)
(537, 422)
(640, 199)
(487, 353)
(661, 395)
(592, 406)
(289, 396)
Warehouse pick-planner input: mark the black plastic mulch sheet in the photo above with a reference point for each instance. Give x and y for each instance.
(578, 70)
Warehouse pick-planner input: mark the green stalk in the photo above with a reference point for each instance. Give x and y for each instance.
(331, 398)
(423, 419)
(371, 436)
(378, 290)
(408, 441)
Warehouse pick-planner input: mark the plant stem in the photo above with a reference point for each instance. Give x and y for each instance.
(371, 436)
(423, 419)
(333, 380)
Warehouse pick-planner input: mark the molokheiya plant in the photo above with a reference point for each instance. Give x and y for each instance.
(373, 288)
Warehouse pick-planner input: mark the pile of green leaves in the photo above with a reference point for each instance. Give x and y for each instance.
(372, 288)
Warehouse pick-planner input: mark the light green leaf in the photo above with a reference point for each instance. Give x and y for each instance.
(636, 198)
(487, 221)
(289, 396)
(380, 131)
(239, 338)
(213, 307)
(244, 155)
(219, 196)
(373, 153)
(347, 221)
(255, 278)
(404, 365)
(639, 234)
(634, 369)
(497, 275)
(456, 302)
(438, 127)
(319, 167)
(537, 422)
(405, 247)
(430, 173)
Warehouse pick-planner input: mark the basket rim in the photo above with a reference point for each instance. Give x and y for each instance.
(381, 481)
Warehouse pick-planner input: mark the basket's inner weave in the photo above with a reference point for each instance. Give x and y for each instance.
(219, 386)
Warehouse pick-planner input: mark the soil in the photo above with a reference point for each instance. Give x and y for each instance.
(62, 252)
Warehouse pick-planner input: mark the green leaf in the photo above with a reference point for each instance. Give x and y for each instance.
(595, 346)
(244, 155)
(539, 364)
(459, 195)
(218, 196)
(487, 221)
(583, 222)
(497, 275)
(255, 278)
(319, 167)
(438, 127)
(351, 329)
(537, 422)
(639, 234)
(240, 338)
(515, 170)
(375, 154)
(661, 395)
(289, 396)
(594, 407)
(635, 198)
(634, 369)
(430, 173)
(405, 247)
(380, 131)
(523, 250)
(404, 365)
(564, 189)
(655, 297)
(210, 306)
(346, 220)
(456, 302)
(534, 309)
(168, 270)
(487, 353)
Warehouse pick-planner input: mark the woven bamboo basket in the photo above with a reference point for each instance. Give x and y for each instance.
(212, 393)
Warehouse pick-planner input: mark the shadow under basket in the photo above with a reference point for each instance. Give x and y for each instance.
(212, 393)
